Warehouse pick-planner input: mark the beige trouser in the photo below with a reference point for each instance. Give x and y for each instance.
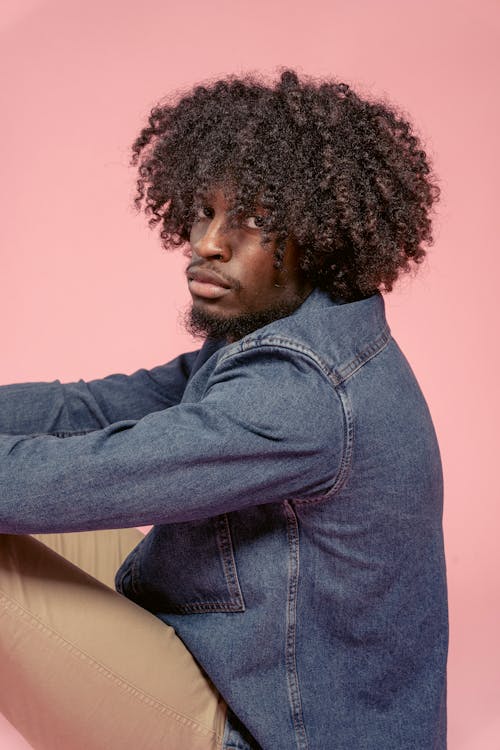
(84, 668)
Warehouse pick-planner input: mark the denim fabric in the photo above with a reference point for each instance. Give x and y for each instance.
(295, 485)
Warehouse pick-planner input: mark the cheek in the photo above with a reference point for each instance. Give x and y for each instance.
(262, 276)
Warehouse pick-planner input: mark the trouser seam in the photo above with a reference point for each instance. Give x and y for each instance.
(123, 683)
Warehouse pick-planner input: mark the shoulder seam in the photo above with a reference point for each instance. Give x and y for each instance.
(336, 376)
(282, 343)
(370, 351)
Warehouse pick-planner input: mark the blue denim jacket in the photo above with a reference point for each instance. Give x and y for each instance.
(295, 486)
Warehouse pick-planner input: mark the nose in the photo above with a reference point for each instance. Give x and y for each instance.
(212, 243)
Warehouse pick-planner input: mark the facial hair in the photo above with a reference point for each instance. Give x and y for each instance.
(201, 323)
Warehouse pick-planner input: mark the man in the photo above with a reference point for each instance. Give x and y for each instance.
(289, 466)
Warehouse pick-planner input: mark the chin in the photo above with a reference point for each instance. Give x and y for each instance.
(204, 319)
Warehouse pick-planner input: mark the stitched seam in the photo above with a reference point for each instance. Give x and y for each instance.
(69, 433)
(283, 343)
(348, 442)
(143, 598)
(371, 351)
(346, 460)
(225, 545)
(35, 622)
(200, 607)
(332, 380)
(235, 601)
(335, 376)
(135, 568)
(336, 379)
(291, 622)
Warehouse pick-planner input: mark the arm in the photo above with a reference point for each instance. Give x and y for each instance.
(57, 408)
(270, 427)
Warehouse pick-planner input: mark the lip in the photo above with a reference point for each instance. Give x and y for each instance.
(207, 284)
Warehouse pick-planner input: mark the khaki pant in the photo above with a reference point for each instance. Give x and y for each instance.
(84, 668)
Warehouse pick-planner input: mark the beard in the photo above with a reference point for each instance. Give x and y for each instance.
(202, 323)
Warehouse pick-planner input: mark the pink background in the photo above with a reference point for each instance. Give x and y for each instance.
(86, 289)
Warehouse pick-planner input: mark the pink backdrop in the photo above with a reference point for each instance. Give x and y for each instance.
(86, 290)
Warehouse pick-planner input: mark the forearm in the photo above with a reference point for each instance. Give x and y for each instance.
(31, 408)
(67, 408)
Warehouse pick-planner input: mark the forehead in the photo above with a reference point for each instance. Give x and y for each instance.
(220, 194)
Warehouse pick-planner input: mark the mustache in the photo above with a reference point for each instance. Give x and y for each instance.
(202, 266)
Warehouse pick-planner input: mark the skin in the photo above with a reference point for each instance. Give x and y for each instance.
(259, 292)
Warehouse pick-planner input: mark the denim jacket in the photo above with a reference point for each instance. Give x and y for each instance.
(294, 483)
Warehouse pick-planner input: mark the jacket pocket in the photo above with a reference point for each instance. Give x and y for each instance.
(184, 568)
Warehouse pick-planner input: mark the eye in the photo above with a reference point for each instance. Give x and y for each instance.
(254, 222)
(203, 212)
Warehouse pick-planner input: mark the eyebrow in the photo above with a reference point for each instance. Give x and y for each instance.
(209, 198)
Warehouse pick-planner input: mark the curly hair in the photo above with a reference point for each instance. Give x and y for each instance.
(347, 178)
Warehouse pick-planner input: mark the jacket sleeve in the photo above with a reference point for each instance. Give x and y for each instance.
(66, 408)
(269, 427)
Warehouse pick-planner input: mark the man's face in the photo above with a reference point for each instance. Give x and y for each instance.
(246, 291)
